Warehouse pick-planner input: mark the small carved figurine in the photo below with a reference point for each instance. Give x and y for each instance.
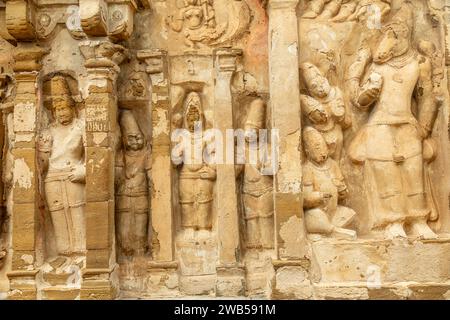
(197, 18)
(324, 108)
(323, 190)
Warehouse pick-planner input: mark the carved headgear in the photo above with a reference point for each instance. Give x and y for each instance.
(256, 117)
(309, 71)
(310, 134)
(192, 100)
(57, 89)
(402, 22)
(128, 124)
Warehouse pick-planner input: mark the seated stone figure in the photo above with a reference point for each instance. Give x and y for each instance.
(323, 189)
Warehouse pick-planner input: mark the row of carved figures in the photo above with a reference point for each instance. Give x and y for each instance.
(394, 147)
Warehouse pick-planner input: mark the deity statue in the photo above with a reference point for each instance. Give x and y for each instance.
(324, 189)
(394, 143)
(198, 20)
(133, 174)
(257, 180)
(324, 108)
(196, 176)
(62, 158)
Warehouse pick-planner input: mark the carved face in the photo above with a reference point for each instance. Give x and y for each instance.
(318, 86)
(63, 112)
(316, 148)
(393, 44)
(134, 141)
(192, 117)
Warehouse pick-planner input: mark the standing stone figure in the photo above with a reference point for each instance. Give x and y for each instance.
(62, 155)
(323, 190)
(324, 108)
(133, 173)
(196, 176)
(258, 181)
(394, 142)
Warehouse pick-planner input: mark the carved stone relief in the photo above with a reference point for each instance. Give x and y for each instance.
(279, 149)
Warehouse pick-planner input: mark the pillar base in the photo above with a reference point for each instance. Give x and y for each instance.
(230, 280)
(99, 284)
(291, 280)
(22, 285)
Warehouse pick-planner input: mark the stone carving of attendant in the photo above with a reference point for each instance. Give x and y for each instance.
(133, 174)
(196, 177)
(62, 155)
(323, 190)
(258, 181)
(324, 108)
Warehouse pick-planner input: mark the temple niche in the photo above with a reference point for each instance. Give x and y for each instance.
(272, 149)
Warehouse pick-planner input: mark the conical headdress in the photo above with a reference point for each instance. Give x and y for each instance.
(57, 89)
(309, 71)
(192, 96)
(256, 117)
(309, 135)
(128, 123)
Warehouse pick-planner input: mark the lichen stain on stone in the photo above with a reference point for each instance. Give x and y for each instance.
(22, 174)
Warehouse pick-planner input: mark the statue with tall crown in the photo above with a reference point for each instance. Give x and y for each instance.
(62, 157)
(133, 174)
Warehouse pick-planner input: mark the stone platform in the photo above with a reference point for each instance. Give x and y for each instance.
(381, 269)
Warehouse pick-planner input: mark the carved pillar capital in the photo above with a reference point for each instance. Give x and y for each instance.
(19, 16)
(225, 60)
(27, 58)
(100, 54)
(156, 64)
(286, 5)
(113, 18)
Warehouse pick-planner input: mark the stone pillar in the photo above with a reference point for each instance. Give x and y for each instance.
(163, 266)
(290, 232)
(25, 172)
(161, 198)
(230, 272)
(102, 60)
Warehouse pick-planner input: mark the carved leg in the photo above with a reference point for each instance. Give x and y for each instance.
(140, 231)
(253, 236)
(391, 212)
(317, 222)
(61, 232)
(78, 229)
(125, 219)
(418, 212)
